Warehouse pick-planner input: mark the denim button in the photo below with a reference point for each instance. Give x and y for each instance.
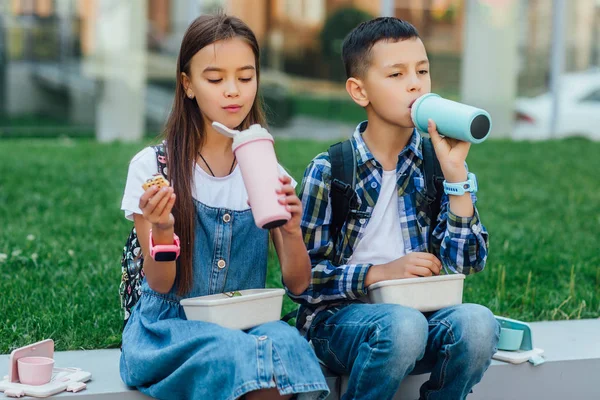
(263, 337)
(362, 221)
(373, 185)
(221, 264)
(226, 218)
(309, 318)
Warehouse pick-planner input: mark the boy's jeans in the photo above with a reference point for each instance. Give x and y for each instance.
(378, 345)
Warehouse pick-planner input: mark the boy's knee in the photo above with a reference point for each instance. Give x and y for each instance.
(404, 331)
(478, 331)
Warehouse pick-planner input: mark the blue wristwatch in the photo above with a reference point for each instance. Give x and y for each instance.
(460, 188)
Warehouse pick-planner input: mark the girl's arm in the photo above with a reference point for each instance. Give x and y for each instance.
(156, 206)
(289, 244)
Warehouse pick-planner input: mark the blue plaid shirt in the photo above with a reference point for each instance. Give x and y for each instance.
(461, 243)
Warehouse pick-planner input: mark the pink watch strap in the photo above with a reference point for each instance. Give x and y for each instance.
(165, 250)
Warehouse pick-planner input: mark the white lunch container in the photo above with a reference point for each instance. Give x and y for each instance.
(429, 293)
(254, 307)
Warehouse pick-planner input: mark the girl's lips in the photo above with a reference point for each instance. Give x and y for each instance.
(411, 103)
(233, 109)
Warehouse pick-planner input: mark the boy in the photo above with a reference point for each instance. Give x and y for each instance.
(386, 236)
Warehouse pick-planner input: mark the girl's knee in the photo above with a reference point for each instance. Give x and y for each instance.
(280, 332)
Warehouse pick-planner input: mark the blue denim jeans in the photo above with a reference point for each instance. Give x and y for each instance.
(378, 345)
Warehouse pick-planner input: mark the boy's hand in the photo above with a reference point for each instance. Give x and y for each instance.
(451, 153)
(156, 206)
(412, 265)
(292, 203)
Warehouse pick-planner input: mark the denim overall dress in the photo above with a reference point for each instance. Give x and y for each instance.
(168, 357)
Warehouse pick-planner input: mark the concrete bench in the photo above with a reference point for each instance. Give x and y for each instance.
(572, 353)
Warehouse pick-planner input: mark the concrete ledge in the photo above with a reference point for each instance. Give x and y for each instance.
(106, 382)
(572, 353)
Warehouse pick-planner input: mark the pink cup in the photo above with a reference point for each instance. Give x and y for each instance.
(255, 154)
(35, 370)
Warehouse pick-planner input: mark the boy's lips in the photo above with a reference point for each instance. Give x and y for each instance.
(411, 103)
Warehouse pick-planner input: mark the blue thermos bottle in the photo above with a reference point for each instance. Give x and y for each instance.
(453, 119)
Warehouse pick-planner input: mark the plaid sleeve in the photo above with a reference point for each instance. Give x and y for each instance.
(462, 242)
(329, 283)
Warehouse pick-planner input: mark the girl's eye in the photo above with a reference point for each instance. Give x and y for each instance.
(423, 72)
(245, 79)
(215, 80)
(397, 74)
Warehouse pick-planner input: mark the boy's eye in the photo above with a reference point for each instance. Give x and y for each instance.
(246, 79)
(397, 74)
(423, 72)
(214, 80)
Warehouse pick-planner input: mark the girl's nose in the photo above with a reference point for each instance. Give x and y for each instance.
(231, 90)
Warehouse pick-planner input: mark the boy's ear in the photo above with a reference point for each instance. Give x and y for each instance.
(356, 90)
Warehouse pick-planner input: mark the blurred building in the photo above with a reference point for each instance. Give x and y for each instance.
(53, 37)
(440, 22)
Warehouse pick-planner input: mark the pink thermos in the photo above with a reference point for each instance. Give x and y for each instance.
(255, 154)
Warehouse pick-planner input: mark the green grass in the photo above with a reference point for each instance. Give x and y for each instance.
(40, 126)
(62, 233)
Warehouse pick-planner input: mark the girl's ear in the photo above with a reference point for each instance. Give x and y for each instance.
(356, 90)
(187, 87)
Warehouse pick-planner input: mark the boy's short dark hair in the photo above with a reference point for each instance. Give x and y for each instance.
(356, 49)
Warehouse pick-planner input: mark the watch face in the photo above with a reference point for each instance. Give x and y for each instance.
(165, 256)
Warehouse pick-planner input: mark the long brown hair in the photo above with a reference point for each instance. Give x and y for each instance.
(185, 134)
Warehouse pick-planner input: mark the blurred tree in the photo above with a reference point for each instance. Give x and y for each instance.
(277, 103)
(445, 10)
(336, 27)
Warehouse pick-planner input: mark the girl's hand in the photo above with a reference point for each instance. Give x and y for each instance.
(292, 204)
(451, 153)
(156, 206)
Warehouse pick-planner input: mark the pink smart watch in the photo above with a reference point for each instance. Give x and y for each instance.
(164, 252)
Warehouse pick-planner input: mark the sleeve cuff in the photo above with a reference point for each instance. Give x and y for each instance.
(359, 275)
(461, 224)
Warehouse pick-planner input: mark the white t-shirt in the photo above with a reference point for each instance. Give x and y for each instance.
(224, 192)
(382, 240)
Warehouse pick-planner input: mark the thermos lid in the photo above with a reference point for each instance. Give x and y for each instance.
(480, 126)
(254, 132)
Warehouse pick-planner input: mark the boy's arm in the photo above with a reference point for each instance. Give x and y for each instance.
(329, 283)
(461, 242)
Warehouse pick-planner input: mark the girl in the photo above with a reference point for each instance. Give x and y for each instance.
(163, 354)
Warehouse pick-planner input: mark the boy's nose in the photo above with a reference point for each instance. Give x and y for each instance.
(415, 84)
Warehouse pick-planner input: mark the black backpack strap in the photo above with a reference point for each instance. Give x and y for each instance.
(434, 179)
(132, 264)
(343, 196)
(289, 316)
(161, 158)
(343, 181)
